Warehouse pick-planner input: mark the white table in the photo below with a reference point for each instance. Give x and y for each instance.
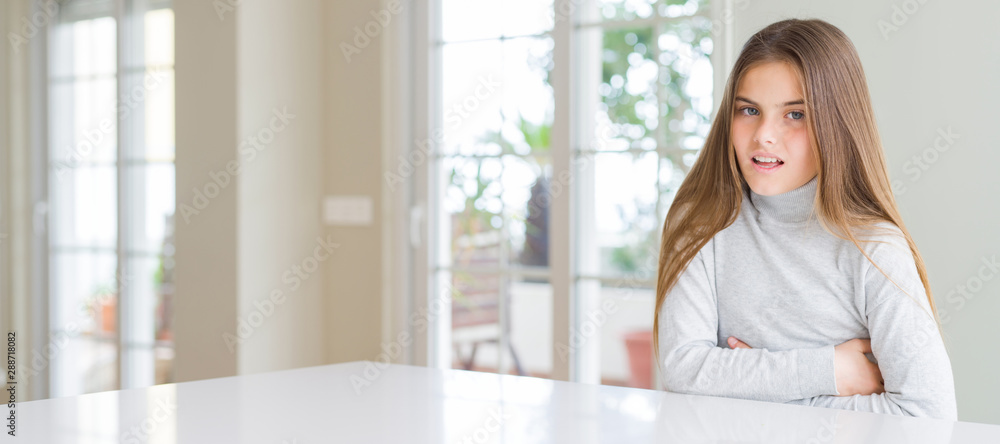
(405, 404)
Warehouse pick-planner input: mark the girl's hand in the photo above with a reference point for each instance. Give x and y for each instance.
(736, 343)
(855, 374)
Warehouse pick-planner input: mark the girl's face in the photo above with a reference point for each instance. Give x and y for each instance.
(770, 131)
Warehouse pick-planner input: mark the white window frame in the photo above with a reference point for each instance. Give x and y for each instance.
(125, 29)
(410, 102)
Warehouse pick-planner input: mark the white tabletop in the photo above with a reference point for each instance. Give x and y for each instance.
(357, 402)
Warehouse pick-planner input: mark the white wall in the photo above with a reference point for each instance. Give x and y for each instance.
(237, 71)
(16, 239)
(206, 134)
(232, 72)
(938, 70)
(353, 166)
(280, 67)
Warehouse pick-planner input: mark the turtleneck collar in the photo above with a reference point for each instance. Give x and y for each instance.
(793, 206)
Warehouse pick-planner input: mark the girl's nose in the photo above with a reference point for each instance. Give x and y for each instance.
(766, 134)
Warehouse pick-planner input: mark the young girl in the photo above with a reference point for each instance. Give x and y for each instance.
(785, 237)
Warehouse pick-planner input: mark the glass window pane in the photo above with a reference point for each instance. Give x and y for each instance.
(151, 209)
(140, 332)
(496, 97)
(159, 115)
(81, 346)
(528, 103)
(624, 10)
(95, 118)
(61, 57)
(473, 207)
(84, 207)
(619, 95)
(463, 20)
(499, 200)
(527, 17)
(163, 356)
(470, 20)
(674, 166)
(65, 151)
(598, 10)
(471, 97)
(686, 82)
(475, 308)
(83, 48)
(83, 365)
(624, 224)
(82, 125)
(478, 321)
(159, 37)
(530, 332)
(84, 292)
(146, 109)
(613, 331)
(94, 47)
(527, 196)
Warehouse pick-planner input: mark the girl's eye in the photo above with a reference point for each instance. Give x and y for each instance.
(749, 111)
(797, 115)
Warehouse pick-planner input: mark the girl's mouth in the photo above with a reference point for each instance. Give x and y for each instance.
(766, 164)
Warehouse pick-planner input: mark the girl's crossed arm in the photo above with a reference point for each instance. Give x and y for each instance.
(906, 342)
(692, 361)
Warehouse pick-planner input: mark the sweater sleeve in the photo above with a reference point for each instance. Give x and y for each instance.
(905, 341)
(693, 362)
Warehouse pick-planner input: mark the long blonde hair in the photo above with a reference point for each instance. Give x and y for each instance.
(853, 184)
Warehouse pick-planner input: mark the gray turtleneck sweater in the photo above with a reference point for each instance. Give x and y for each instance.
(779, 282)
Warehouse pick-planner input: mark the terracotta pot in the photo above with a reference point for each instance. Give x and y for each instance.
(640, 358)
(108, 316)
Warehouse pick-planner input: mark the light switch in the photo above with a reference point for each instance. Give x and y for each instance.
(347, 211)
